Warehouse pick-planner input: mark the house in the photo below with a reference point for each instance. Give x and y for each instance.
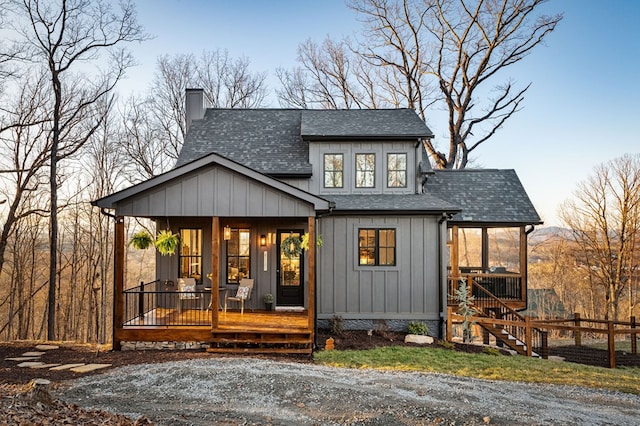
(249, 183)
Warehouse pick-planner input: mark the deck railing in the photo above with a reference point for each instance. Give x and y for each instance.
(502, 286)
(492, 308)
(156, 304)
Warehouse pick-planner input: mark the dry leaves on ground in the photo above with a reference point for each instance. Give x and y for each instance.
(18, 406)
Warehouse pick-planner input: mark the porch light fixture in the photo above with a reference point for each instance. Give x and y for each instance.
(226, 233)
(263, 240)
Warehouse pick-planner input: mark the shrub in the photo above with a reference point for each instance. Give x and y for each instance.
(336, 325)
(446, 345)
(488, 350)
(419, 328)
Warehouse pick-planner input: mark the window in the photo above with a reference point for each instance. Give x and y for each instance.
(333, 170)
(365, 170)
(396, 170)
(190, 256)
(238, 255)
(377, 247)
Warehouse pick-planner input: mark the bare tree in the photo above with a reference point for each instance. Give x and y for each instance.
(149, 149)
(25, 153)
(63, 37)
(227, 82)
(429, 53)
(154, 127)
(330, 76)
(604, 216)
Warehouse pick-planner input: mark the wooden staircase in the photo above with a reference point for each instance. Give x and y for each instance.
(505, 324)
(504, 337)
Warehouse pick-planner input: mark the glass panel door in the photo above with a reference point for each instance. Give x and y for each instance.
(290, 273)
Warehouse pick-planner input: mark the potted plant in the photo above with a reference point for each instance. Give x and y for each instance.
(167, 242)
(141, 240)
(268, 301)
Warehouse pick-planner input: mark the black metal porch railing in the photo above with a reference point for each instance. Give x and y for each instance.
(502, 286)
(156, 304)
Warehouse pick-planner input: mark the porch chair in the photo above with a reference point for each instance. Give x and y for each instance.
(186, 292)
(243, 293)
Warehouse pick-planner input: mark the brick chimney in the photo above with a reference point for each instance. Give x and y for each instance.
(195, 105)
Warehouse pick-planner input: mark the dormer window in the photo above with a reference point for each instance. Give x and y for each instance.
(365, 170)
(333, 170)
(396, 170)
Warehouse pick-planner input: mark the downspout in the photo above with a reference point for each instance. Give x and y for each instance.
(106, 213)
(315, 266)
(441, 280)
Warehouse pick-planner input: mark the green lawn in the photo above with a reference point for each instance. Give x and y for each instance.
(485, 366)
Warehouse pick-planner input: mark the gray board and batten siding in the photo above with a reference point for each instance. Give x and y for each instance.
(213, 186)
(406, 291)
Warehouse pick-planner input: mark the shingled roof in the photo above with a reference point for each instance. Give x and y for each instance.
(363, 123)
(273, 141)
(391, 203)
(266, 140)
(485, 196)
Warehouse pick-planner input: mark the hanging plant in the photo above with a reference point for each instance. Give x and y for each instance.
(305, 241)
(292, 246)
(167, 242)
(141, 240)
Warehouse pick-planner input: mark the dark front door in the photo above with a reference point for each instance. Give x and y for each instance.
(290, 273)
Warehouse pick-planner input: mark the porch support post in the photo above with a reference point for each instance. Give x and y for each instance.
(118, 280)
(523, 264)
(485, 249)
(455, 259)
(215, 270)
(312, 271)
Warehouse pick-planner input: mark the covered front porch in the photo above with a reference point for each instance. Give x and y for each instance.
(232, 225)
(162, 310)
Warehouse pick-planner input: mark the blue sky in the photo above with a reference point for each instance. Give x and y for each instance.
(579, 111)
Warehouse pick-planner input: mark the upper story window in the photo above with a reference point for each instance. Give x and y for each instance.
(190, 256)
(333, 170)
(396, 170)
(365, 170)
(238, 255)
(377, 247)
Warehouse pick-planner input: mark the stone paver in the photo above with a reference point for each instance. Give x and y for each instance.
(30, 364)
(66, 366)
(32, 360)
(89, 367)
(45, 366)
(47, 347)
(22, 358)
(33, 353)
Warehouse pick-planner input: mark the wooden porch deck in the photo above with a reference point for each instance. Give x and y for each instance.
(255, 331)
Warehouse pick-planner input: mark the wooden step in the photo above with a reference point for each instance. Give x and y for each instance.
(265, 341)
(258, 350)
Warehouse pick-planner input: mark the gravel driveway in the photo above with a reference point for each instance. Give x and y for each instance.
(258, 392)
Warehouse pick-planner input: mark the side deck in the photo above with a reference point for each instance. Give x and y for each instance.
(490, 290)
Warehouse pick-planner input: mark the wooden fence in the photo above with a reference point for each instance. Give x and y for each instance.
(610, 329)
(579, 326)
